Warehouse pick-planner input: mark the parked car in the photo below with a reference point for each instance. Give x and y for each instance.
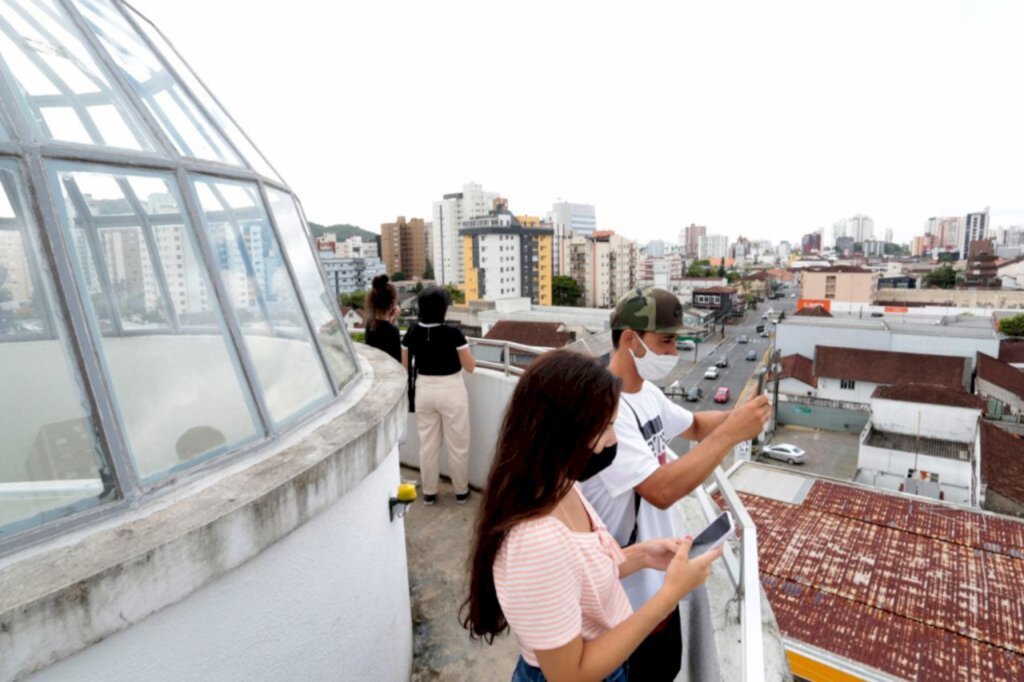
(742, 338)
(722, 361)
(785, 452)
(765, 334)
(759, 328)
(694, 394)
(711, 373)
(675, 388)
(722, 394)
(751, 355)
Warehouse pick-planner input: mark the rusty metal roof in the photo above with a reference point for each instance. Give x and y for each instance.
(913, 588)
(948, 449)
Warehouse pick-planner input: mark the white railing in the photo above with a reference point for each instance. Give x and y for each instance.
(742, 570)
(507, 348)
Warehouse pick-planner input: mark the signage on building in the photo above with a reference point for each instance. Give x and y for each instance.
(825, 303)
(896, 309)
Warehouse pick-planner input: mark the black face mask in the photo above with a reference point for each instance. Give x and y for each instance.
(598, 462)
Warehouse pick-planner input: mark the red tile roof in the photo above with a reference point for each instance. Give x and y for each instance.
(813, 311)
(839, 268)
(797, 366)
(919, 590)
(929, 394)
(1001, 374)
(715, 290)
(887, 367)
(1002, 462)
(543, 334)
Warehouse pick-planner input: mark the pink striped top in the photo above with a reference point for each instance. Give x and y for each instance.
(554, 584)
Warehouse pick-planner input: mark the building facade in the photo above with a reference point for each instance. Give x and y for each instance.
(505, 259)
(975, 228)
(404, 246)
(604, 265)
(568, 219)
(713, 246)
(448, 216)
(840, 283)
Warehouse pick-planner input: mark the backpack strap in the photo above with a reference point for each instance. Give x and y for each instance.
(636, 496)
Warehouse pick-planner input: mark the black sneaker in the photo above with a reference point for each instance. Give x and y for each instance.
(428, 500)
(462, 498)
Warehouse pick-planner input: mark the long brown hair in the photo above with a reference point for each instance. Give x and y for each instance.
(560, 406)
(381, 297)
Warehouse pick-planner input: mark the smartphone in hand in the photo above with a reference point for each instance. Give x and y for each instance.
(717, 532)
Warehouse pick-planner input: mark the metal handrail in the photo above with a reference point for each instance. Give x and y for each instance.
(743, 571)
(505, 365)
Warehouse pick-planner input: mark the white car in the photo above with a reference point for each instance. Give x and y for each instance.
(785, 453)
(711, 373)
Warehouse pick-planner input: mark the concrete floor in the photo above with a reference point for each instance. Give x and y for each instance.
(829, 453)
(437, 542)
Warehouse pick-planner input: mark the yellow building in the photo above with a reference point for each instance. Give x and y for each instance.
(505, 256)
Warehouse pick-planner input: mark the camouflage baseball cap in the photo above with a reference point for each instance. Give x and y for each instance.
(649, 310)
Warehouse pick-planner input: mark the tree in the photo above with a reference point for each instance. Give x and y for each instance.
(565, 291)
(699, 268)
(428, 272)
(398, 276)
(732, 276)
(942, 277)
(1012, 326)
(457, 295)
(357, 299)
(721, 268)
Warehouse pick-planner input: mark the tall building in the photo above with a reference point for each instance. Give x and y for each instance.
(975, 229)
(404, 246)
(505, 258)
(888, 235)
(604, 264)
(811, 243)
(690, 240)
(655, 248)
(567, 220)
(861, 228)
(713, 246)
(449, 214)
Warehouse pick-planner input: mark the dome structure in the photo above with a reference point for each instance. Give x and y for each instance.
(161, 306)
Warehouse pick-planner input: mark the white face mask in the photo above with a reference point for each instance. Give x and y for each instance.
(653, 367)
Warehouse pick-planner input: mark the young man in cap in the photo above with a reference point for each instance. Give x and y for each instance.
(633, 495)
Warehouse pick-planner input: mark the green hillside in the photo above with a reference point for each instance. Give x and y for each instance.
(342, 232)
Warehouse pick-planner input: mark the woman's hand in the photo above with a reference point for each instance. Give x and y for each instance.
(658, 554)
(684, 574)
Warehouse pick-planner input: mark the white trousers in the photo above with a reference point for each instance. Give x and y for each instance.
(442, 411)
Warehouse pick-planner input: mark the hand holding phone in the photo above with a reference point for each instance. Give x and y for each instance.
(717, 532)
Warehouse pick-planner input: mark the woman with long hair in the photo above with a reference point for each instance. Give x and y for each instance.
(543, 564)
(438, 354)
(381, 309)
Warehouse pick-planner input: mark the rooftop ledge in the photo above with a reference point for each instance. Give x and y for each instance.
(64, 595)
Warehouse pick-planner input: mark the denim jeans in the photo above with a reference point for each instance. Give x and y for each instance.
(527, 673)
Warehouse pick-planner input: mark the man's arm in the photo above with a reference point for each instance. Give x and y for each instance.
(669, 483)
(704, 423)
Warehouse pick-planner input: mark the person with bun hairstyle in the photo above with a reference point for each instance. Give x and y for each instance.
(436, 355)
(543, 564)
(382, 312)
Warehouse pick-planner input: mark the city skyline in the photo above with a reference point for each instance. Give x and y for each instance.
(691, 117)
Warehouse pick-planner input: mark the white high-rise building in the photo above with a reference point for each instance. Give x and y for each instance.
(888, 235)
(569, 220)
(713, 246)
(975, 227)
(605, 266)
(861, 228)
(449, 213)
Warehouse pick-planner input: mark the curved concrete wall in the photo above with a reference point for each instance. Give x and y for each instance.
(328, 601)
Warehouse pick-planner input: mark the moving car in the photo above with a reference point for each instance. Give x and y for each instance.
(784, 452)
(751, 355)
(722, 394)
(685, 344)
(742, 338)
(765, 334)
(722, 361)
(694, 394)
(711, 373)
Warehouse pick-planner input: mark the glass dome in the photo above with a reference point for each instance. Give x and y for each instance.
(161, 305)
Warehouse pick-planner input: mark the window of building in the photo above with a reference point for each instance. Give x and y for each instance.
(847, 384)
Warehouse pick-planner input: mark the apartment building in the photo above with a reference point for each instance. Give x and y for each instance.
(604, 265)
(848, 284)
(448, 217)
(404, 246)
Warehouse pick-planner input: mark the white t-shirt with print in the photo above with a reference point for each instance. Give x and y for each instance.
(642, 449)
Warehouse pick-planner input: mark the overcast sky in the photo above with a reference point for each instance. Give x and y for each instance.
(766, 119)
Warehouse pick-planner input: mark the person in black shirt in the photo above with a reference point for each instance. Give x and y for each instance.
(382, 312)
(438, 354)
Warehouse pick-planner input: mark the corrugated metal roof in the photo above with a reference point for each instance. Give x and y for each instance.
(915, 589)
(947, 449)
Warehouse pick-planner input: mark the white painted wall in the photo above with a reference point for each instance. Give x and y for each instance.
(323, 603)
(500, 263)
(489, 393)
(951, 471)
(936, 421)
(829, 389)
(796, 387)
